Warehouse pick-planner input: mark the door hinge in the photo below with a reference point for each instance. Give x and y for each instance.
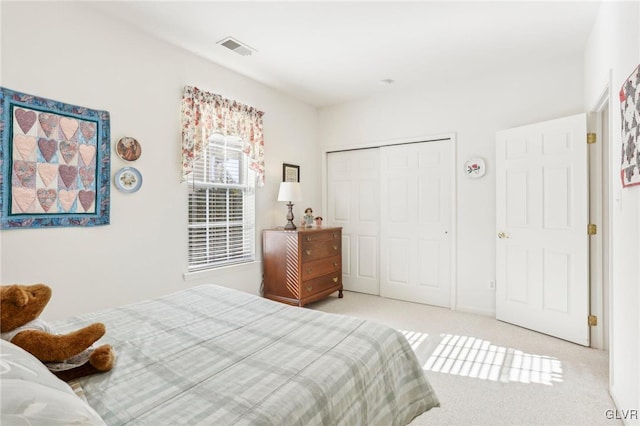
(593, 320)
(591, 138)
(592, 229)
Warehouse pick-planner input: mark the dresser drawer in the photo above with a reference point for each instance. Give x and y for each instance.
(320, 249)
(320, 267)
(321, 236)
(320, 284)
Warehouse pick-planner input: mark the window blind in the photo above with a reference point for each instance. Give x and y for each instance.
(221, 206)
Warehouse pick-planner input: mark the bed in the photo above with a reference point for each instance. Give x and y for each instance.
(211, 355)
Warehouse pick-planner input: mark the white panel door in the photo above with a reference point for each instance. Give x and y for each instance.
(415, 188)
(352, 195)
(542, 250)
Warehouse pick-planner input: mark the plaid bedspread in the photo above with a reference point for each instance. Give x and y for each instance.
(211, 355)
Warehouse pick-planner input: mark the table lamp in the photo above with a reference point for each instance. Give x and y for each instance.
(289, 191)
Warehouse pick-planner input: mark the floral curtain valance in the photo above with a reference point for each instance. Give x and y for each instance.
(205, 114)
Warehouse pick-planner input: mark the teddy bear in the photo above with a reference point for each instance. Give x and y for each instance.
(68, 356)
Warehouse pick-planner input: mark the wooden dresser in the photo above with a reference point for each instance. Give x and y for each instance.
(302, 266)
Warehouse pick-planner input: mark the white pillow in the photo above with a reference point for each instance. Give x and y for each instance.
(32, 395)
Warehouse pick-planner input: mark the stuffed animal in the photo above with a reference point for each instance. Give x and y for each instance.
(68, 356)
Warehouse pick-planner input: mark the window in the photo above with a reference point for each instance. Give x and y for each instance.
(221, 206)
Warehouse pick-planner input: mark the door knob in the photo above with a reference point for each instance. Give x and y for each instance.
(503, 235)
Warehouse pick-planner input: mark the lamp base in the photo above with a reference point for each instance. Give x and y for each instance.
(290, 225)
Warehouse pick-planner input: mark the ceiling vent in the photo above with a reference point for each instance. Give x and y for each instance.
(236, 46)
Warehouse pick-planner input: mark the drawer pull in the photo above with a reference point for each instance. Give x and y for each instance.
(335, 247)
(308, 252)
(308, 238)
(335, 279)
(335, 263)
(335, 235)
(309, 288)
(309, 270)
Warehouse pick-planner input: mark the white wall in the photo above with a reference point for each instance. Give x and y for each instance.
(67, 52)
(474, 108)
(614, 49)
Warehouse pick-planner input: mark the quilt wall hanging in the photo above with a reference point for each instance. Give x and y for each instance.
(55, 163)
(630, 110)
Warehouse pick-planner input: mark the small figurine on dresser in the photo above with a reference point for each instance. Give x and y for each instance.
(307, 220)
(318, 221)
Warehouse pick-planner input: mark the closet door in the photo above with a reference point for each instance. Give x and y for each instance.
(415, 188)
(353, 204)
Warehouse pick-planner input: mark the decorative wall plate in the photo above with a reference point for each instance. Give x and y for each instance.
(474, 168)
(128, 149)
(128, 179)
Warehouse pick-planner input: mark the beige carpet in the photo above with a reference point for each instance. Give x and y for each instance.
(486, 372)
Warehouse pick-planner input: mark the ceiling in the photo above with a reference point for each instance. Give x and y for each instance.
(329, 52)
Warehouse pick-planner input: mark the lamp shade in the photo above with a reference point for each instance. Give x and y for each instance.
(289, 191)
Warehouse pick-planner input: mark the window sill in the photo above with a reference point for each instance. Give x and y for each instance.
(240, 267)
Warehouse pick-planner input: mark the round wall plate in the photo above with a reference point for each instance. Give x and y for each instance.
(128, 179)
(128, 149)
(474, 168)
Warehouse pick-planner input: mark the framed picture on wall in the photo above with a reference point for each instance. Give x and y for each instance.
(290, 173)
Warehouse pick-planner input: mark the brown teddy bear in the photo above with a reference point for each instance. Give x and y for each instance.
(68, 356)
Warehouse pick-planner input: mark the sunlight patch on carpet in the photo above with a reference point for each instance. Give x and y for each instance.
(415, 338)
(476, 358)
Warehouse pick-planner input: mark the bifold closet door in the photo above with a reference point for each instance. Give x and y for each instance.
(353, 203)
(415, 191)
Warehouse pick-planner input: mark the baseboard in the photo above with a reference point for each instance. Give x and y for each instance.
(474, 310)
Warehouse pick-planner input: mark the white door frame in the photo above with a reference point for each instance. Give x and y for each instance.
(600, 208)
(453, 196)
